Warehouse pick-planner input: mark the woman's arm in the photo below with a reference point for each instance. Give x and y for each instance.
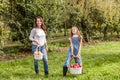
(46, 46)
(31, 37)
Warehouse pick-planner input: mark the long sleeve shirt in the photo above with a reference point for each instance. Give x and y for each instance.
(37, 34)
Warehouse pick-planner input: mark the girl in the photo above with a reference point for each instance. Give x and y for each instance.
(74, 50)
(38, 38)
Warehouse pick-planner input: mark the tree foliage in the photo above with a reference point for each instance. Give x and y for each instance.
(91, 16)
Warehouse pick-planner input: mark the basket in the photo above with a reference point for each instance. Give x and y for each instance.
(38, 55)
(75, 69)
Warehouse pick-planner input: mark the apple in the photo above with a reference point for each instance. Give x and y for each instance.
(71, 65)
(76, 65)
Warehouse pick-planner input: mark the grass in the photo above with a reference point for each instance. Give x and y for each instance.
(100, 62)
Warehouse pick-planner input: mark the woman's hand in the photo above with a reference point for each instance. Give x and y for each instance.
(46, 48)
(36, 42)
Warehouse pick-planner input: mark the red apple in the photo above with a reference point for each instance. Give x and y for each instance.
(71, 65)
(75, 66)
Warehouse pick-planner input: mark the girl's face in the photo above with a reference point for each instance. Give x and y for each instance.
(74, 30)
(38, 22)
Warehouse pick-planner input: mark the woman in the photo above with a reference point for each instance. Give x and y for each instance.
(38, 38)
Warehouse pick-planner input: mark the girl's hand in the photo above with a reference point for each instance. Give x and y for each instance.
(78, 55)
(73, 55)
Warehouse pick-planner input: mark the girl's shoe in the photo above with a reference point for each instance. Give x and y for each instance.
(65, 70)
(46, 73)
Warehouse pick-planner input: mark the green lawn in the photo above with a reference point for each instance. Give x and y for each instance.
(100, 62)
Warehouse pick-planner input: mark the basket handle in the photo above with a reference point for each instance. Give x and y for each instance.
(37, 48)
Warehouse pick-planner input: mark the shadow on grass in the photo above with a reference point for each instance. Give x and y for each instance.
(15, 49)
(31, 76)
(42, 76)
(4, 77)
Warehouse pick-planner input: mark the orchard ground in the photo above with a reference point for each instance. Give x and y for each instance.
(100, 62)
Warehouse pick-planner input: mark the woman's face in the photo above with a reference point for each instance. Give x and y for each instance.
(74, 30)
(38, 22)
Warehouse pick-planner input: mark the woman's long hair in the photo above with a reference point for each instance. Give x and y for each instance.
(43, 24)
(78, 33)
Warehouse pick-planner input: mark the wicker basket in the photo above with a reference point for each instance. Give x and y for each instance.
(76, 70)
(38, 55)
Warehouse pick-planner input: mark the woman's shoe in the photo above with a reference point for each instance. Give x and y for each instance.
(37, 72)
(46, 74)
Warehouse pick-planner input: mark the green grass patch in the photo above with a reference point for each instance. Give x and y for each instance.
(100, 62)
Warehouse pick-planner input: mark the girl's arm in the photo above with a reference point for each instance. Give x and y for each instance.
(71, 45)
(79, 48)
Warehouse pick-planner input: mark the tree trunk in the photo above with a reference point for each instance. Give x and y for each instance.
(118, 34)
(105, 32)
(83, 25)
(85, 31)
(111, 33)
(65, 29)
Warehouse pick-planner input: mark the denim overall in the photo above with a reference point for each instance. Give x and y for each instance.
(45, 59)
(75, 43)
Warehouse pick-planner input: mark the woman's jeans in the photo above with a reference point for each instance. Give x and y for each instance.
(45, 59)
(69, 58)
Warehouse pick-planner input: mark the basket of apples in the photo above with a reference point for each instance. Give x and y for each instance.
(38, 55)
(75, 68)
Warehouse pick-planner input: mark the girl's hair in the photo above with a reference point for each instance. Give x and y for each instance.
(78, 33)
(43, 24)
